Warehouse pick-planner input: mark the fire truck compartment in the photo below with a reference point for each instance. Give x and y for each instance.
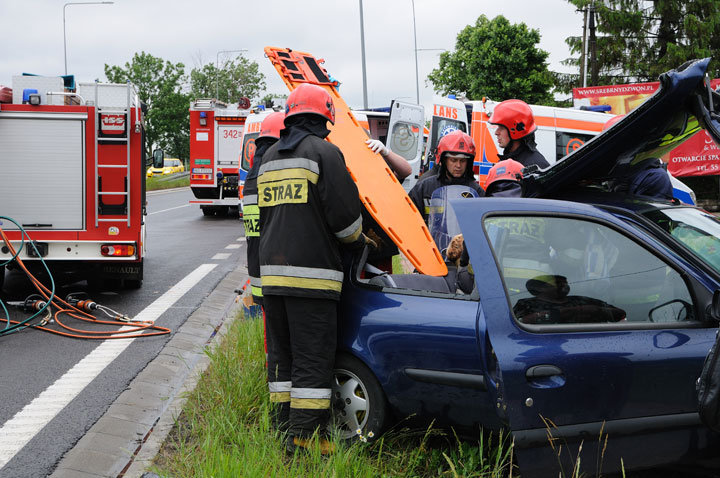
(42, 156)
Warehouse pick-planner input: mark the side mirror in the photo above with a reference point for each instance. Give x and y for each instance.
(158, 158)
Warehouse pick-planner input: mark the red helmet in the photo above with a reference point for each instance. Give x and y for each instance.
(455, 142)
(271, 125)
(506, 170)
(516, 116)
(612, 121)
(307, 98)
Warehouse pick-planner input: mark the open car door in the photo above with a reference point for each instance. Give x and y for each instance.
(597, 331)
(405, 136)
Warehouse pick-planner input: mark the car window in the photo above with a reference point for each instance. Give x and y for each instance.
(571, 271)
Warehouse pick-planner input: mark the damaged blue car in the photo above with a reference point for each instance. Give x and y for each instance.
(588, 321)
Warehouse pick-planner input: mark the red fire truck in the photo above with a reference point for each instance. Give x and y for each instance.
(216, 132)
(73, 177)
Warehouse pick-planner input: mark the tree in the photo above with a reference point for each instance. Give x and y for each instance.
(159, 85)
(640, 39)
(233, 80)
(495, 59)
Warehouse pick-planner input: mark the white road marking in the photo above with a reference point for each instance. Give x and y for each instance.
(169, 209)
(241, 238)
(26, 423)
(233, 246)
(221, 256)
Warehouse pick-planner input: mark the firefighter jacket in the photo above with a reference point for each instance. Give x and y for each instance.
(648, 178)
(423, 190)
(309, 206)
(527, 154)
(251, 219)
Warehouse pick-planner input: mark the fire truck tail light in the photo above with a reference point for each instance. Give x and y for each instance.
(203, 177)
(117, 250)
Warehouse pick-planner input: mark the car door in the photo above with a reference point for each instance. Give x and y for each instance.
(599, 336)
(421, 343)
(405, 136)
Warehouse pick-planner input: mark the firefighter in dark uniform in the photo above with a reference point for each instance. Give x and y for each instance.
(515, 133)
(269, 134)
(456, 154)
(309, 207)
(646, 177)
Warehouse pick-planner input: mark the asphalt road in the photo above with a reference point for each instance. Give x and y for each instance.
(179, 240)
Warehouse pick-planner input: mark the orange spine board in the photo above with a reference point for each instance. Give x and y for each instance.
(379, 189)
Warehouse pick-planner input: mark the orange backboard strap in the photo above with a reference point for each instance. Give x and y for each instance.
(379, 189)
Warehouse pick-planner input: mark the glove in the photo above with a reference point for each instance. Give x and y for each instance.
(455, 249)
(377, 147)
(369, 242)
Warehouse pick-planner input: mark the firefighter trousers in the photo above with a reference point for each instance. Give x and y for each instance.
(301, 342)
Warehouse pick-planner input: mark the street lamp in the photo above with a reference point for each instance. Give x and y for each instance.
(217, 68)
(417, 77)
(362, 51)
(64, 37)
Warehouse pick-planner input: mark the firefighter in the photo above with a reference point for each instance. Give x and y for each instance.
(309, 207)
(456, 154)
(504, 179)
(644, 178)
(515, 133)
(269, 134)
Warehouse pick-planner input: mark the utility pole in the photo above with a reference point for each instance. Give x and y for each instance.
(362, 50)
(593, 48)
(582, 53)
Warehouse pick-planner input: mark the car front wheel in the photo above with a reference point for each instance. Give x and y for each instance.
(359, 407)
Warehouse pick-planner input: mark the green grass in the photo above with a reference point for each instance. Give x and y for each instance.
(166, 182)
(224, 431)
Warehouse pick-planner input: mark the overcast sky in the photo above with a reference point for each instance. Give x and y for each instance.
(194, 32)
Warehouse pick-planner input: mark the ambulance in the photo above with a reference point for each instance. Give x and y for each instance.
(560, 131)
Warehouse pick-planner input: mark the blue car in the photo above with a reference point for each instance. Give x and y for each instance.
(589, 316)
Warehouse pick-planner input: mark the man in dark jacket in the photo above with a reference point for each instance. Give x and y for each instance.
(309, 207)
(269, 134)
(515, 133)
(456, 154)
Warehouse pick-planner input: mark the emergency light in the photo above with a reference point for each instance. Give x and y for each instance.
(203, 118)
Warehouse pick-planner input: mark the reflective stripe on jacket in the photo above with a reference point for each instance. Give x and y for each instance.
(309, 206)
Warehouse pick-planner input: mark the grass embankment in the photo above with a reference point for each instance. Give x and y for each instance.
(224, 431)
(166, 182)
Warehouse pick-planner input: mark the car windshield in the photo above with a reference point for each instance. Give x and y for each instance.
(697, 230)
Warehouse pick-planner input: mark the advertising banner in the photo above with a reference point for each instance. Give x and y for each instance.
(698, 156)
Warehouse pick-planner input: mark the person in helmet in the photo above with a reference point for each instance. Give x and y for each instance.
(504, 179)
(456, 154)
(515, 133)
(269, 134)
(644, 178)
(309, 208)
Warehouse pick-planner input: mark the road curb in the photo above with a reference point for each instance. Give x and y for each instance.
(126, 439)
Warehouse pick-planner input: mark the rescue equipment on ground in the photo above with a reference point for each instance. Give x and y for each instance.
(78, 305)
(379, 189)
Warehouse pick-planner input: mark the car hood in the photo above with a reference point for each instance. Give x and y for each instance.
(682, 106)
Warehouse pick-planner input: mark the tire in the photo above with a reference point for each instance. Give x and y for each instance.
(358, 401)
